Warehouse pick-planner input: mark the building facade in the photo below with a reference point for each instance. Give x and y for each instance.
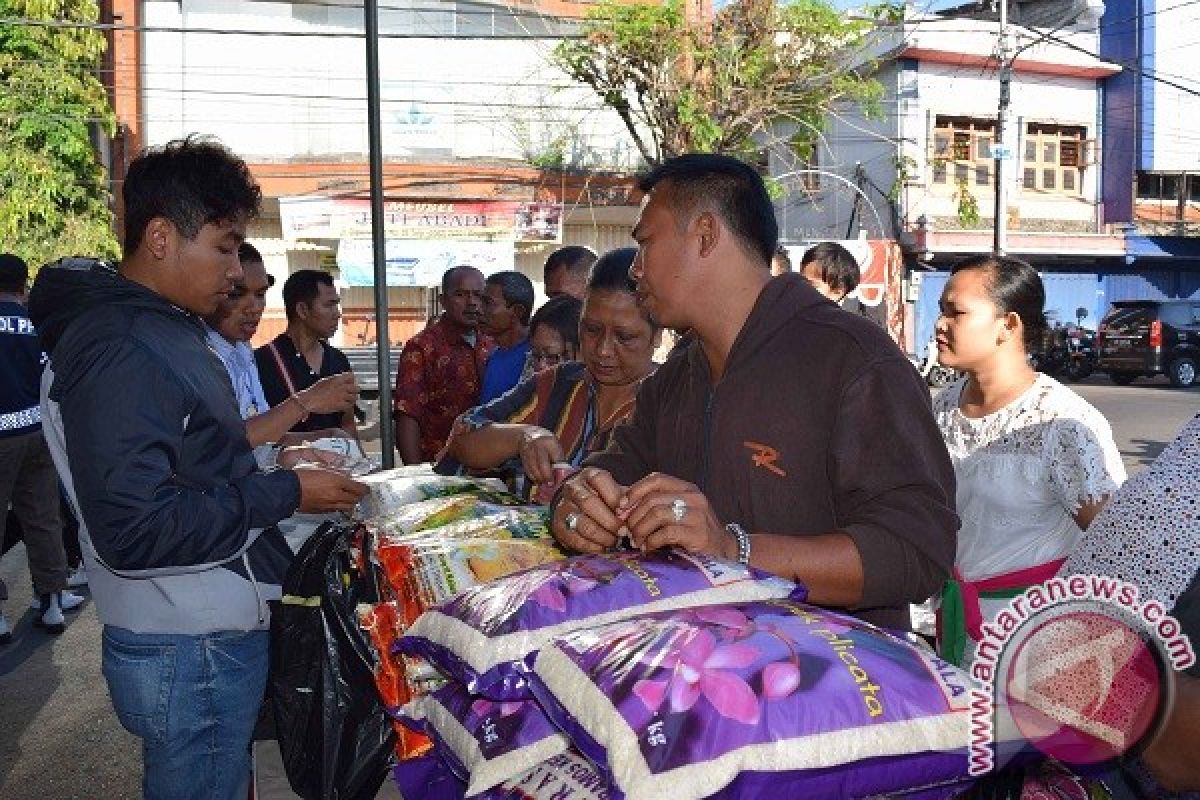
(477, 128)
(1083, 131)
(1152, 179)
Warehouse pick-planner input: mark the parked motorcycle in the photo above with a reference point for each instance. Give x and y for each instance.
(1081, 353)
(1066, 351)
(931, 371)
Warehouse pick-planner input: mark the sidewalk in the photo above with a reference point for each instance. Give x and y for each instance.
(59, 737)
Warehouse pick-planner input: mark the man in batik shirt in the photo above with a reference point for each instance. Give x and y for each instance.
(441, 368)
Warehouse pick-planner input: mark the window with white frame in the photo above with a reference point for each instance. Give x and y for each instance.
(961, 151)
(1052, 158)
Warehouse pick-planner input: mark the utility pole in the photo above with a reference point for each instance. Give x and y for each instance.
(378, 239)
(1000, 153)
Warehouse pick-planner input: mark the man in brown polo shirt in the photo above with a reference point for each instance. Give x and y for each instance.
(787, 434)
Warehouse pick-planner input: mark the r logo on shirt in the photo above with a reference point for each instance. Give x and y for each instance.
(765, 456)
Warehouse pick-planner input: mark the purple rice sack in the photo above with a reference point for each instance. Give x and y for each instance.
(484, 742)
(568, 776)
(775, 698)
(427, 777)
(485, 636)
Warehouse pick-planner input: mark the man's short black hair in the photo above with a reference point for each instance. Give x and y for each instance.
(303, 286)
(248, 254)
(783, 257)
(837, 266)
(575, 258)
(14, 273)
(731, 188)
(560, 314)
(191, 182)
(516, 290)
(611, 271)
(449, 275)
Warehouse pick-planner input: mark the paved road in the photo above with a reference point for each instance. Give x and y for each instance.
(58, 735)
(1144, 416)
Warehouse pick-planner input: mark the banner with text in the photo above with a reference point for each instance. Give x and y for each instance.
(421, 262)
(482, 220)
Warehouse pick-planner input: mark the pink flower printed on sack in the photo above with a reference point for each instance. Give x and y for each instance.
(733, 622)
(700, 667)
(779, 679)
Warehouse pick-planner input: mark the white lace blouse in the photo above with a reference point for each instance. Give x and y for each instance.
(1023, 471)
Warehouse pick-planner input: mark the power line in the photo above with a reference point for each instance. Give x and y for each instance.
(497, 11)
(345, 98)
(315, 74)
(1131, 66)
(1156, 75)
(113, 26)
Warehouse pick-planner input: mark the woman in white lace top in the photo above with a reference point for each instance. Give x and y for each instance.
(1035, 462)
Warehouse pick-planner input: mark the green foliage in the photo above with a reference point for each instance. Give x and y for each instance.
(906, 167)
(554, 156)
(53, 195)
(721, 84)
(968, 205)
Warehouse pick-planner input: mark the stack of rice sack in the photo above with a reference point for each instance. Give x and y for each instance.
(430, 537)
(675, 676)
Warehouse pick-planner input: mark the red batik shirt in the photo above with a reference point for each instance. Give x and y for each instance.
(439, 377)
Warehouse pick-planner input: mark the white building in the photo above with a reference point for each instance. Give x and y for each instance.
(932, 138)
(293, 85)
(475, 123)
(921, 170)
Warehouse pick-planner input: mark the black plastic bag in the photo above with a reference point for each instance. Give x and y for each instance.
(335, 739)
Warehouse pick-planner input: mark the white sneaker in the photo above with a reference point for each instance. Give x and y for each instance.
(51, 620)
(77, 577)
(67, 601)
(5, 631)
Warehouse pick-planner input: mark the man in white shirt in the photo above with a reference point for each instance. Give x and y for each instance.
(230, 329)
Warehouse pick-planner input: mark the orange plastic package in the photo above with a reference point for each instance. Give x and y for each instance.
(426, 568)
(424, 562)
(381, 623)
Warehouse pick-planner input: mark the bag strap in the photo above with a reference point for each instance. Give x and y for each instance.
(283, 370)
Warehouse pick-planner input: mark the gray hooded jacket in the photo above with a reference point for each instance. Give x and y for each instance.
(177, 521)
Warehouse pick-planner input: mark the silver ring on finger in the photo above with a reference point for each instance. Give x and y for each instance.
(679, 509)
(572, 521)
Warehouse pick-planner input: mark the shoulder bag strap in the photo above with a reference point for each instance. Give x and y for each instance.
(283, 370)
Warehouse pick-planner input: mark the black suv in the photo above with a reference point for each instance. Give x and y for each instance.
(1150, 337)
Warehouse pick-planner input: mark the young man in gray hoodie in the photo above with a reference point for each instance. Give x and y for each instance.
(177, 521)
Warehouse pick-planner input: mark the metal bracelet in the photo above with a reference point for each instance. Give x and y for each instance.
(743, 542)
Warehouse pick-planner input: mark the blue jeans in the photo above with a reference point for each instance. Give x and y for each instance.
(193, 701)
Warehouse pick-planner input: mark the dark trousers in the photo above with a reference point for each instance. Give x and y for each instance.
(28, 481)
